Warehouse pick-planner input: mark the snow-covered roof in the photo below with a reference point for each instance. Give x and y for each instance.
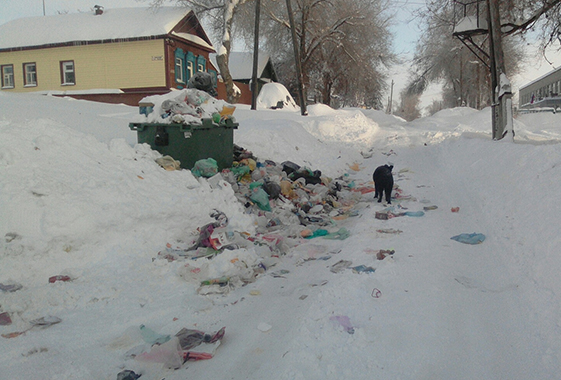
(540, 78)
(193, 38)
(241, 64)
(119, 23)
(471, 25)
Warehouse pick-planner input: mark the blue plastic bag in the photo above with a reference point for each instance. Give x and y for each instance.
(474, 238)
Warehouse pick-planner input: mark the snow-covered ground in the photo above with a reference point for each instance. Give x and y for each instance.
(79, 198)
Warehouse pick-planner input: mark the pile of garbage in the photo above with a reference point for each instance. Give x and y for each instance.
(187, 106)
(290, 205)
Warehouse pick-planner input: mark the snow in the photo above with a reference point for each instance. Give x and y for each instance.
(241, 64)
(273, 93)
(86, 26)
(471, 24)
(80, 198)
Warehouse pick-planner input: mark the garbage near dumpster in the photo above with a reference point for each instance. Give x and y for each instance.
(202, 81)
(288, 209)
(187, 125)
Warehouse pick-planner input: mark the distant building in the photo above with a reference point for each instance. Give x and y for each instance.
(542, 92)
(241, 70)
(113, 55)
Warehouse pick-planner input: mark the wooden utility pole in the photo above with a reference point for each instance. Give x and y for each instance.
(254, 86)
(297, 59)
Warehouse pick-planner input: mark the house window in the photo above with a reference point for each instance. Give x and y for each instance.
(8, 76)
(190, 68)
(201, 64)
(179, 70)
(29, 74)
(68, 76)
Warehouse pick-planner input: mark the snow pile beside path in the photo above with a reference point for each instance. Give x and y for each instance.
(273, 93)
(69, 184)
(286, 140)
(350, 127)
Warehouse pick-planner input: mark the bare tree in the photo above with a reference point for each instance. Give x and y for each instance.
(441, 57)
(344, 47)
(409, 106)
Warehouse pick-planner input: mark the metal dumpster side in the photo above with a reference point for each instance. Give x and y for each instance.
(189, 143)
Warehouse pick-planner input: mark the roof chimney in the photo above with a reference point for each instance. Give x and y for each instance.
(98, 10)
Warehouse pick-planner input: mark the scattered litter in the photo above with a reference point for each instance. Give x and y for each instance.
(382, 215)
(42, 322)
(344, 322)
(255, 292)
(280, 273)
(5, 319)
(340, 266)
(474, 238)
(389, 231)
(363, 269)
(35, 351)
(340, 234)
(264, 327)
(127, 375)
(430, 208)
(303, 297)
(176, 351)
(46, 321)
(11, 236)
(213, 289)
(414, 213)
(151, 337)
(9, 288)
(324, 282)
(355, 167)
(383, 253)
(54, 279)
(455, 209)
(168, 163)
(376, 293)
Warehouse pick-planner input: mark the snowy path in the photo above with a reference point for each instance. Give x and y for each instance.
(444, 311)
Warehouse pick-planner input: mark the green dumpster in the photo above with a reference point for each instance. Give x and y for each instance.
(189, 143)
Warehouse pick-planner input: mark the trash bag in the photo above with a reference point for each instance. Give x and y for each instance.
(290, 167)
(273, 189)
(169, 354)
(127, 375)
(152, 337)
(168, 163)
(202, 81)
(261, 198)
(473, 238)
(205, 168)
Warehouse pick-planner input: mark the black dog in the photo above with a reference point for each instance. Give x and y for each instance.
(383, 181)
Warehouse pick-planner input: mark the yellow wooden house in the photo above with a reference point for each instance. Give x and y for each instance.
(113, 55)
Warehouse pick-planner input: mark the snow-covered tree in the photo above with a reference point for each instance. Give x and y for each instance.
(344, 47)
(440, 57)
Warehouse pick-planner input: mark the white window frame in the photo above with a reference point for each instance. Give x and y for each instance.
(30, 76)
(64, 70)
(179, 70)
(200, 68)
(8, 78)
(190, 68)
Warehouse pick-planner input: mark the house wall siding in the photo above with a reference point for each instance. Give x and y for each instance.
(134, 64)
